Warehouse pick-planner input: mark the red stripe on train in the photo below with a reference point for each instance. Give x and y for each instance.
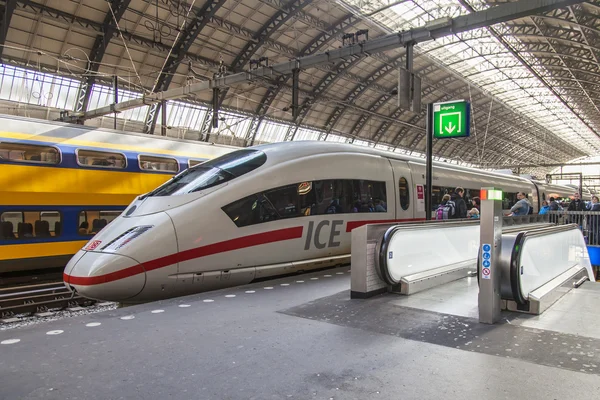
(355, 224)
(215, 248)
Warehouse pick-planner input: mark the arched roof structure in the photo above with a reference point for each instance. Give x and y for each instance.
(532, 82)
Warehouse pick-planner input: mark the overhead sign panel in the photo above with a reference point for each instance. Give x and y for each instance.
(451, 119)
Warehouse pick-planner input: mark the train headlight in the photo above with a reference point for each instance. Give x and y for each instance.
(125, 238)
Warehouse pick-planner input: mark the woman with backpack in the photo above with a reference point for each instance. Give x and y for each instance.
(444, 210)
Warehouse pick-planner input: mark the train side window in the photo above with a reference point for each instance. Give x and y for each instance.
(367, 196)
(9, 223)
(331, 196)
(29, 153)
(102, 159)
(52, 221)
(404, 193)
(162, 164)
(31, 224)
(293, 200)
(250, 210)
(191, 163)
(91, 221)
(509, 199)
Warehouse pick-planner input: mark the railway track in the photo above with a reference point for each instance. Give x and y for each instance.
(38, 299)
(27, 278)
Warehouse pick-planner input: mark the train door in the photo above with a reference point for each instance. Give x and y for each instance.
(403, 190)
(538, 197)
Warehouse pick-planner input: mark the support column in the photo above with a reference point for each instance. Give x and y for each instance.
(215, 111)
(490, 302)
(116, 98)
(429, 157)
(295, 93)
(163, 120)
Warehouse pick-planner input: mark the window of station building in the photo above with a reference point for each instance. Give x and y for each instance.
(212, 172)
(30, 224)
(162, 164)
(102, 159)
(404, 193)
(334, 196)
(92, 221)
(29, 153)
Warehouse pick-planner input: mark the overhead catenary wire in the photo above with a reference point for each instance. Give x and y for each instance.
(174, 42)
(487, 127)
(124, 43)
(473, 122)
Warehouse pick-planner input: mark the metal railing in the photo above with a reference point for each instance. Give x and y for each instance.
(587, 221)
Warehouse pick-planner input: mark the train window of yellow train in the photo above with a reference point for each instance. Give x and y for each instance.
(191, 163)
(163, 164)
(29, 153)
(31, 224)
(90, 222)
(103, 159)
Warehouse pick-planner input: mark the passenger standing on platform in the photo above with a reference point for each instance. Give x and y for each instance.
(461, 206)
(594, 223)
(521, 207)
(577, 205)
(545, 207)
(445, 210)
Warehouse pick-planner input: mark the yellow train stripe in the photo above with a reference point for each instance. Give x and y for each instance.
(65, 199)
(33, 185)
(34, 250)
(77, 142)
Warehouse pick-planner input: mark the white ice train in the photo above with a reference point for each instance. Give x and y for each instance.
(265, 211)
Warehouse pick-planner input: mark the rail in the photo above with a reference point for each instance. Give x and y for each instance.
(24, 300)
(587, 221)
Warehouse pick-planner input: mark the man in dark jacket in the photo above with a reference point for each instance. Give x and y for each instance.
(576, 205)
(461, 206)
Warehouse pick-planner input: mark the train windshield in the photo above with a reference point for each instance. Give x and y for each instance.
(211, 173)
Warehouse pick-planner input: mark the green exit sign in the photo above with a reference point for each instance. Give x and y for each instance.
(451, 119)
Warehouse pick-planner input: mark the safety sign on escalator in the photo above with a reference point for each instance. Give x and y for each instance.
(486, 256)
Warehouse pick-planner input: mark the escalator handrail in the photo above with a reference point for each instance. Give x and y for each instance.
(383, 270)
(517, 252)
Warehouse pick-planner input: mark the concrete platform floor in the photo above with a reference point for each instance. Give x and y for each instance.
(294, 338)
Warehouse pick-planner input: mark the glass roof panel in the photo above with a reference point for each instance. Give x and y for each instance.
(482, 59)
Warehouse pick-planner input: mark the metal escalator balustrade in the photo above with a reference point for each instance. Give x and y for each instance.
(538, 266)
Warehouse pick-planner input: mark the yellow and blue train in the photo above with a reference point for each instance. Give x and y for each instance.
(61, 183)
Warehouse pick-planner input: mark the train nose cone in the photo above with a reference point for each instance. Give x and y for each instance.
(104, 276)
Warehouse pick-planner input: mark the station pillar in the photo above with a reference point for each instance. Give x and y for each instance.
(490, 304)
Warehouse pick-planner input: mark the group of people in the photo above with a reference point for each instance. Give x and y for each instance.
(454, 206)
(577, 204)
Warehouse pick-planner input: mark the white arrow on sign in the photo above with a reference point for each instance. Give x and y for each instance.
(450, 128)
